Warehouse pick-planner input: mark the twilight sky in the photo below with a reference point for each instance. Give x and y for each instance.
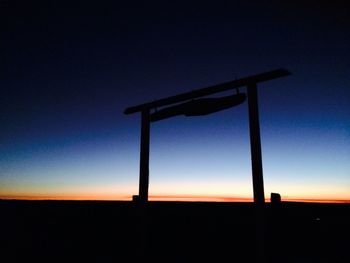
(70, 68)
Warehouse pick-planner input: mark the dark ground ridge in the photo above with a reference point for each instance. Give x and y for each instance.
(162, 231)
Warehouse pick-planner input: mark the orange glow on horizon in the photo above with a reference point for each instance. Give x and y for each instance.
(184, 198)
(67, 197)
(199, 198)
(316, 200)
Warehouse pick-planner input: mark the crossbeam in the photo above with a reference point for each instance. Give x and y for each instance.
(254, 79)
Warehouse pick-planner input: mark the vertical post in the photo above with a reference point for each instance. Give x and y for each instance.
(142, 198)
(144, 156)
(257, 171)
(255, 145)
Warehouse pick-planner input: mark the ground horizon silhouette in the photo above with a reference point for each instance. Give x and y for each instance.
(98, 231)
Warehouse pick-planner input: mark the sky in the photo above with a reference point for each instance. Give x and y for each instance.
(70, 68)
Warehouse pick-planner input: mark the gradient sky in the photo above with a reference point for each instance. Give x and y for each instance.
(70, 69)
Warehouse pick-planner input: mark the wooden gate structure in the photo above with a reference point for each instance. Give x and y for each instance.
(191, 104)
(194, 107)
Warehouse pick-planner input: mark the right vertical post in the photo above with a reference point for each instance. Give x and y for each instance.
(255, 145)
(144, 156)
(257, 170)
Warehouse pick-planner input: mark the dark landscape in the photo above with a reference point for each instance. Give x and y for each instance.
(112, 231)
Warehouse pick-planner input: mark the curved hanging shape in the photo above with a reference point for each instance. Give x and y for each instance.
(199, 107)
(207, 106)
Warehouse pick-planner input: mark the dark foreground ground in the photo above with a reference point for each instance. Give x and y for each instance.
(74, 231)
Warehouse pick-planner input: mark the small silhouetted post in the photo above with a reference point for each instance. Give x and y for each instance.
(257, 171)
(275, 199)
(144, 156)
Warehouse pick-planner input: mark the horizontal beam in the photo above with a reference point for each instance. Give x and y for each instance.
(210, 90)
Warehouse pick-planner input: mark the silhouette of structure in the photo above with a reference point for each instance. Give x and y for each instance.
(188, 104)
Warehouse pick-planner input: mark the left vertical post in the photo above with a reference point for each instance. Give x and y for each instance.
(144, 156)
(257, 171)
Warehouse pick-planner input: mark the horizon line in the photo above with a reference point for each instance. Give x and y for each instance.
(170, 198)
